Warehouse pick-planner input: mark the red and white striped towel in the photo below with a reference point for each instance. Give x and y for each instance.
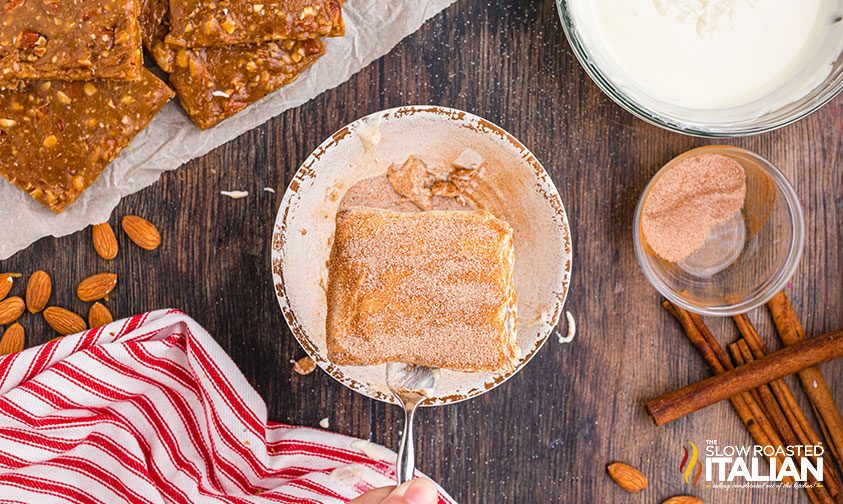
(150, 409)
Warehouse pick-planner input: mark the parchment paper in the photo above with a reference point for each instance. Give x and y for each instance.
(373, 28)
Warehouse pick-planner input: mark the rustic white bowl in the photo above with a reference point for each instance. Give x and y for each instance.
(514, 187)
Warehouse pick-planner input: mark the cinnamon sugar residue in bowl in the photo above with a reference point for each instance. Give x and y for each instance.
(414, 186)
(692, 204)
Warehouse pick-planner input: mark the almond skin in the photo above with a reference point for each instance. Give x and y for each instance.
(142, 232)
(99, 316)
(105, 243)
(11, 309)
(96, 287)
(12, 340)
(38, 291)
(683, 499)
(63, 321)
(7, 281)
(627, 477)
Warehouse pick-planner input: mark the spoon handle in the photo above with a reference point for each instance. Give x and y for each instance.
(405, 466)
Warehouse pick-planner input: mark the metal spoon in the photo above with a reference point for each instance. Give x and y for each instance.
(412, 385)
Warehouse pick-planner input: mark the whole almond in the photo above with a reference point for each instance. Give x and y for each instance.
(105, 243)
(96, 287)
(11, 309)
(63, 321)
(683, 499)
(38, 291)
(99, 316)
(7, 281)
(142, 232)
(627, 477)
(12, 340)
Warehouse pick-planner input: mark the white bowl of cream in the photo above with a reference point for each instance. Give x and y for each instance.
(711, 67)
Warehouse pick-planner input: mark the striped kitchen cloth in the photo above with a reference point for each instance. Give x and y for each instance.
(151, 410)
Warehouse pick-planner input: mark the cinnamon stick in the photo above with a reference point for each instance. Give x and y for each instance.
(766, 424)
(790, 360)
(754, 402)
(812, 380)
(743, 355)
(775, 413)
(799, 422)
(718, 361)
(699, 323)
(803, 429)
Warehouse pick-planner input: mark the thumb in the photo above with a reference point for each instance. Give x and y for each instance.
(418, 491)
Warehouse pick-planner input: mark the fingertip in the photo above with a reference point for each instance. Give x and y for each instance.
(421, 491)
(376, 496)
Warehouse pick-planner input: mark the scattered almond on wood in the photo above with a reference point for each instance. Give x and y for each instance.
(96, 287)
(64, 321)
(92, 289)
(105, 243)
(38, 291)
(304, 366)
(7, 281)
(684, 499)
(12, 340)
(11, 309)
(99, 316)
(627, 477)
(142, 232)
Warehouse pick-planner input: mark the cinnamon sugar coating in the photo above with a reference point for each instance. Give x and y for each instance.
(688, 201)
(430, 288)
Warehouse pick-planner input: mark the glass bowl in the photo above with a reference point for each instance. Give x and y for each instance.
(716, 123)
(768, 252)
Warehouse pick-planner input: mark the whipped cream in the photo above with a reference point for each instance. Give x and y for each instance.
(708, 16)
(682, 56)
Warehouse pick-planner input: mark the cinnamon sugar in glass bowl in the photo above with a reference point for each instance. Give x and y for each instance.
(746, 267)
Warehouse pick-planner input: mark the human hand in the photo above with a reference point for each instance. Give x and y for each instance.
(418, 491)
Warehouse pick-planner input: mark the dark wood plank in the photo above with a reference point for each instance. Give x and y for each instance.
(547, 435)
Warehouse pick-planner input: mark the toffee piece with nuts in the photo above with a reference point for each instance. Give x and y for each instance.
(215, 83)
(57, 137)
(69, 40)
(154, 23)
(204, 23)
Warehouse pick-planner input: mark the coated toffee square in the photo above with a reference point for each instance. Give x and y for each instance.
(204, 23)
(56, 137)
(431, 288)
(69, 40)
(214, 83)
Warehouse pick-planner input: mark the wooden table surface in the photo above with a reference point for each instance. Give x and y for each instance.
(547, 434)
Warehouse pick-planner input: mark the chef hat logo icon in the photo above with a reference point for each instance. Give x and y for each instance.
(690, 461)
